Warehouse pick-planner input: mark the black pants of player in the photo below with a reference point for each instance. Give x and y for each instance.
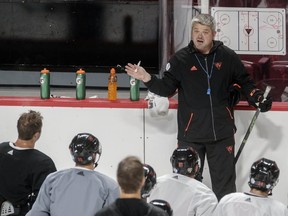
(220, 158)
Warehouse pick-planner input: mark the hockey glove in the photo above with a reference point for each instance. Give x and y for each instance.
(265, 105)
(258, 101)
(158, 105)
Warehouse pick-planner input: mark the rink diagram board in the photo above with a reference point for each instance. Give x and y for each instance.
(259, 31)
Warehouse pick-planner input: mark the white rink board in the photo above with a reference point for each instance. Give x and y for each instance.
(124, 131)
(120, 132)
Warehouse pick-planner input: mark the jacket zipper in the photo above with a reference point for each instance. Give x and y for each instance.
(210, 98)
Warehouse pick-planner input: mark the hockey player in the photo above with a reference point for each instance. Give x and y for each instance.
(130, 177)
(150, 181)
(186, 195)
(263, 178)
(23, 168)
(79, 190)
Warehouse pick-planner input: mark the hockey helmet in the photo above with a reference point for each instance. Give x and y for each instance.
(163, 205)
(82, 148)
(150, 180)
(185, 161)
(264, 175)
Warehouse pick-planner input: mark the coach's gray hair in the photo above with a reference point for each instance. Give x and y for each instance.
(204, 19)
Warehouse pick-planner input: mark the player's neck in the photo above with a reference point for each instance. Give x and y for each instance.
(258, 192)
(87, 166)
(130, 195)
(25, 143)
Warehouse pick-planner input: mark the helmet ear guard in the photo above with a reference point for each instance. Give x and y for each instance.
(163, 205)
(84, 147)
(150, 180)
(185, 161)
(264, 175)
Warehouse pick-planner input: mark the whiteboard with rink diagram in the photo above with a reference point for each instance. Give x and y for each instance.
(251, 30)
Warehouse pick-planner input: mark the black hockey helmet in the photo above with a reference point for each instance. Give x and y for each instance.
(185, 161)
(150, 180)
(264, 175)
(163, 205)
(82, 148)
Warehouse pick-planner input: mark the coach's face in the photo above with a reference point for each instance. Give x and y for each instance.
(202, 37)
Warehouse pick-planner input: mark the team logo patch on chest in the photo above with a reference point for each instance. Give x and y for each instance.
(218, 65)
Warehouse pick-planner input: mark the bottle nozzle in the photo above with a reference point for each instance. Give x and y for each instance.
(80, 71)
(44, 71)
(112, 70)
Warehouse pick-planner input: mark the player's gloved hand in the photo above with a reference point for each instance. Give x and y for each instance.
(257, 100)
(265, 105)
(234, 94)
(159, 106)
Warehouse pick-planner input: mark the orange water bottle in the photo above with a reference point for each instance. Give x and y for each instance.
(112, 85)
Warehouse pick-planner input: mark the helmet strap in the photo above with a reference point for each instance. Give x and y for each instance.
(96, 161)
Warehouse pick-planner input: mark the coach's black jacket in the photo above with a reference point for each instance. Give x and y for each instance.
(203, 112)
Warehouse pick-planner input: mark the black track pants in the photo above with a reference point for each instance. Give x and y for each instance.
(220, 157)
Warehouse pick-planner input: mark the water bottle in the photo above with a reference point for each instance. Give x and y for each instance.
(112, 85)
(45, 84)
(80, 84)
(134, 89)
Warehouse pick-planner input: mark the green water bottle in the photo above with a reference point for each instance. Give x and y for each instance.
(134, 89)
(80, 84)
(45, 84)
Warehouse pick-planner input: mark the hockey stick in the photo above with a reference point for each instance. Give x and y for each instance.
(252, 123)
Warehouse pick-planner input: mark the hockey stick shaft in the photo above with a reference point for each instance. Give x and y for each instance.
(252, 123)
